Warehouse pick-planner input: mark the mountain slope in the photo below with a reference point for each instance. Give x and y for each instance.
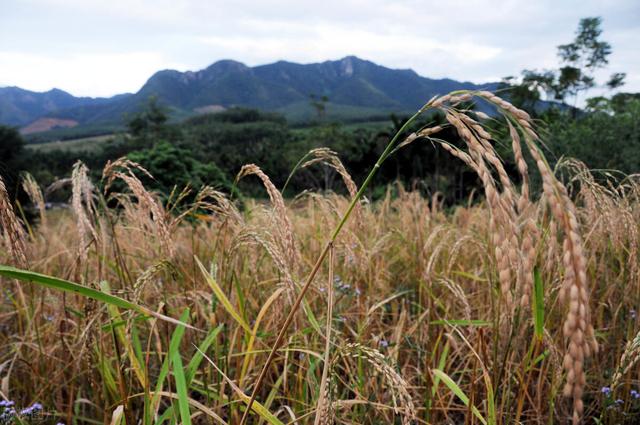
(19, 107)
(351, 84)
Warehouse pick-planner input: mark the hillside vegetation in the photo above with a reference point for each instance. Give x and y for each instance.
(346, 89)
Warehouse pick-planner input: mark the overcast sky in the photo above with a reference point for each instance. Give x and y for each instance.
(104, 47)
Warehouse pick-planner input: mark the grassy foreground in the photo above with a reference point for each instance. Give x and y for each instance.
(129, 309)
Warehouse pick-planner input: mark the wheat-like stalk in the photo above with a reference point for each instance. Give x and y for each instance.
(502, 225)
(83, 208)
(528, 260)
(398, 387)
(577, 327)
(14, 234)
(324, 407)
(148, 205)
(629, 358)
(503, 206)
(149, 274)
(329, 157)
(284, 229)
(252, 235)
(32, 189)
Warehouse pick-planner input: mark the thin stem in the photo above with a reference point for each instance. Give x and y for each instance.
(322, 400)
(325, 251)
(373, 171)
(283, 330)
(295, 168)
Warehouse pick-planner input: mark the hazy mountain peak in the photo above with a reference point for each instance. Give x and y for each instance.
(226, 65)
(350, 84)
(346, 65)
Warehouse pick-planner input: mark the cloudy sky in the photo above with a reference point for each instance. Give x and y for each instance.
(104, 47)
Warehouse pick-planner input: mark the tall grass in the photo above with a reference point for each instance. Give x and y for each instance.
(140, 311)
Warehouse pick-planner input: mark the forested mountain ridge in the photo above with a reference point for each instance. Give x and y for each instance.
(345, 88)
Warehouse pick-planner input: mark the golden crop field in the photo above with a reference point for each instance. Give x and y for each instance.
(322, 309)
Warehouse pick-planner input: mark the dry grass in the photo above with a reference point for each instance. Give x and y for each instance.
(415, 294)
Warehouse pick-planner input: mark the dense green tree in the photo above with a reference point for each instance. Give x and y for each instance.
(237, 137)
(319, 104)
(174, 167)
(625, 102)
(151, 125)
(152, 120)
(11, 143)
(579, 59)
(11, 150)
(601, 140)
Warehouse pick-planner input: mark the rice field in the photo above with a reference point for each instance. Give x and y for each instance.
(322, 309)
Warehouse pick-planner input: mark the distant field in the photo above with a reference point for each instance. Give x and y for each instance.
(74, 133)
(85, 144)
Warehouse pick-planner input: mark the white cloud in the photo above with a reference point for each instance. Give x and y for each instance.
(91, 74)
(110, 46)
(324, 42)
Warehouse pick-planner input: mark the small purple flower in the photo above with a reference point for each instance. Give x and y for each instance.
(60, 423)
(632, 314)
(323, 289)
(6, 403)
(384, 343)
(619, 401)
(8, 414)
(635, 394)
(35, 407)
(606, 391)
(345, 287)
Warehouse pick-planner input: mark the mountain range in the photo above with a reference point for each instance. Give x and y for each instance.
(354, 89)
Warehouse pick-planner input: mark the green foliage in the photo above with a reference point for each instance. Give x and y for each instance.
(586, 48)
(177, 167)
(580, 59)
(236, 116)
(11, 143)
(150, 124)
(11, 148)
(319, 104)
(82, 290)
(600, 139)
(237, 137)
(625, 102)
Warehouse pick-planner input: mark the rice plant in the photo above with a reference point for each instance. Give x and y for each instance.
(327, 309)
